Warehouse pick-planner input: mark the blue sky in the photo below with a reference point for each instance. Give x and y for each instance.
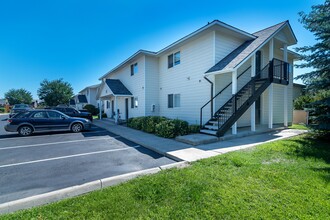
(80, 41)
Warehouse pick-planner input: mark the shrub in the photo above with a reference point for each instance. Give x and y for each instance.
(135, 123)
(301, 102)
(165, 129)
(194, 128)
(91, 109)
(2, 110)
(149, 123)
(180, 127)
(104, 115)
(161, 126)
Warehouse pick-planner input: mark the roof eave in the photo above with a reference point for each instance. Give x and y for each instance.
(203, 29)
(260, 46)
(145, 52)
(219, 72)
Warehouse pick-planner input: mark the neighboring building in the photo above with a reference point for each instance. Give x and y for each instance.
(72, 103)
(78, 102)
(298, 90)
(177, 81)
(3, 102)
(90, 92)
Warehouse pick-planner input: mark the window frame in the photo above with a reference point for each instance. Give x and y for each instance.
(134, 69)
(170, 101)
(171, 59)
(174, 100)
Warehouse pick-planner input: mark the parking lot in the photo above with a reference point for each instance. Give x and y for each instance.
(50, 161)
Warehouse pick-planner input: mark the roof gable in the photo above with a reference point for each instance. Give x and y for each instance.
(240, 54)
(117, 87)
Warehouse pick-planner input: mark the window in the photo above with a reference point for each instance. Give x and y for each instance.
(134, 69)
(54, 115)
(173, 59)
(177, 58)
(170, 61)
(170, 101)
(173, 100)
(70, 110)
(136, 102)
(108, 104)
(40, 115)
(177, 100)
(132, 102)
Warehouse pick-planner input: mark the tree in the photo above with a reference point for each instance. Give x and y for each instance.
(317, 56)
(18, 96)
(55, 92)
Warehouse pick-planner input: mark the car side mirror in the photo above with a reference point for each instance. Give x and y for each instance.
(62, 117)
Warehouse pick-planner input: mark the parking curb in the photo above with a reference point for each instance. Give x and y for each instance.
(77, 190)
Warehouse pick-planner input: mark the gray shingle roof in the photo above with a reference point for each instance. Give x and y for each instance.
(82, 99)
(117, 87)
(237, 56)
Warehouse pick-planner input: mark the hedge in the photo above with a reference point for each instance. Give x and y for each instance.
(161, 126)
(92, 109)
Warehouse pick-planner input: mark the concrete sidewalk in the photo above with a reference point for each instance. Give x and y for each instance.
(184, 152)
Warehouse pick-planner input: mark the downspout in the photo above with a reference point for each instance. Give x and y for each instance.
(211, 94)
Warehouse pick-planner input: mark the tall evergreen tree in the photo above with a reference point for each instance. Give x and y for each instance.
(317, 56)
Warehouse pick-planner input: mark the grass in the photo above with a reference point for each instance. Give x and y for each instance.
(287, 179)
(95, 117)
(299, 126)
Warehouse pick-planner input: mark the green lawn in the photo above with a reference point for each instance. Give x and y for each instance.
(298, 126)
(287, 179)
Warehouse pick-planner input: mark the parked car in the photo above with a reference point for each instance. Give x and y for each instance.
(19, 108)
(25, 123)
(74, 112)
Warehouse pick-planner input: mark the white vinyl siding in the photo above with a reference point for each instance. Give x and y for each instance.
(152, 86)
(225, 44)
(136, 85)
(187, 80)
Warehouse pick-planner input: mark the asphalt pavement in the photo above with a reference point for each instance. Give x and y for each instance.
(46, 162)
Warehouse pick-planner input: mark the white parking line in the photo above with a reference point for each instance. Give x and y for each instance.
(69, 156)
(54, 143)
(52, 134)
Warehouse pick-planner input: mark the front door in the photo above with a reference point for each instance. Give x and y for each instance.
(112, 109)
(126, 108)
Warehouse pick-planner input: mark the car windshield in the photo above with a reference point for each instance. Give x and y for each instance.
(71, 110)
(21, 106)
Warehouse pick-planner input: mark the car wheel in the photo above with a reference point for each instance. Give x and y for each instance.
(25, 130)
(76, 127)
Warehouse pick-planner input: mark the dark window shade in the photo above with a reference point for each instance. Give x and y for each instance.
(132, 70)
(132, 102)
(170, 61)
(170, 101)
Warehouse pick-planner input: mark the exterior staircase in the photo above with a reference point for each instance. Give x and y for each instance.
(275, 71)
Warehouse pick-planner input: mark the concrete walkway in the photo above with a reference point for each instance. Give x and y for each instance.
(185, 152)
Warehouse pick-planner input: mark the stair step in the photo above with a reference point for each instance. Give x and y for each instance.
(211, 132)
(214, 122)
(211, 127)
